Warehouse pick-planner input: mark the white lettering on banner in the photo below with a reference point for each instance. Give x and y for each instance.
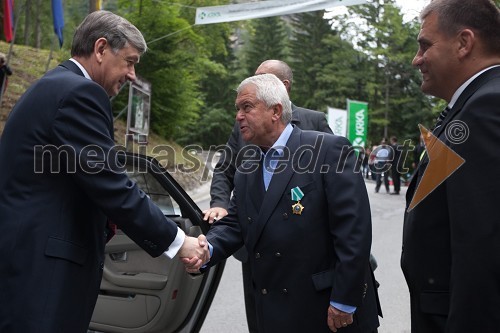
(252, 10)
(360, 123)
(339, 125)
(358, 142)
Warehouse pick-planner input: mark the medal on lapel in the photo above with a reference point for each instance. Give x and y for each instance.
(297, 195)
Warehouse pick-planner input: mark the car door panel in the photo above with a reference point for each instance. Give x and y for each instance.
(142, 294)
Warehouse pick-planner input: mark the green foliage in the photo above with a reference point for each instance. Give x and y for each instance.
(312, 46)
(365, 55)
(396, 103)
(34, 26)
(174, 64)
(268, 40)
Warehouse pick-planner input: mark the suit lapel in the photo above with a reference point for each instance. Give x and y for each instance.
(279, 182)
(257, 191)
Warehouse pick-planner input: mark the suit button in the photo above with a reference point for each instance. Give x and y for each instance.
(285, 291)
(277, 254)
(101, 265)
(285, 216)
(249, 219)
(257, 255)
(264, 291)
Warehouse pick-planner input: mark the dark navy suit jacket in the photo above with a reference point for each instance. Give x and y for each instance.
(54, 210)
(451, 239)
(301, 262)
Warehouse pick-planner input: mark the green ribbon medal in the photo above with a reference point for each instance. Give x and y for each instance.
(297, 195)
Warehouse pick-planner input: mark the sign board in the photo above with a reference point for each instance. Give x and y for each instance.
(139, 108)
(252, 10)
(337, 119)
(358, 122)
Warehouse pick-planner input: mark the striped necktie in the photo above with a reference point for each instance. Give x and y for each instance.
(441, 117)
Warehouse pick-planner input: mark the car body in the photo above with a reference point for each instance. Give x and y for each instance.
(141, 294)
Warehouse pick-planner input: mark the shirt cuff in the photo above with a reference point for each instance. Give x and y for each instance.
(211, 249)
(343, 307)
(176, 245)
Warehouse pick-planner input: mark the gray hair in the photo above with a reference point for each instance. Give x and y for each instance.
(270, 90)
(118, 32)
(481, 16)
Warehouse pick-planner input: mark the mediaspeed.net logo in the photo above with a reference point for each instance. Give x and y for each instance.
(443, 161)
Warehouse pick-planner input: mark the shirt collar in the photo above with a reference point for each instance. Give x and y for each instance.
(461, 89)
(282, 140)
(85, 73)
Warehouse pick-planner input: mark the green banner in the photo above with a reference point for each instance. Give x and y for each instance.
(358, 122)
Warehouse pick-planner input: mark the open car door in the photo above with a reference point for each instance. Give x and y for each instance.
(142, 294)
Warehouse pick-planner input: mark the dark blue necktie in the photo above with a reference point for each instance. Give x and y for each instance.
(441, 117)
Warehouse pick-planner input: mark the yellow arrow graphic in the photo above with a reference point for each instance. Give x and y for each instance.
(443, 162)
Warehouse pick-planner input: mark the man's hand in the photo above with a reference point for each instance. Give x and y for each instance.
(213, 214)
(337, 319)
(194, 253)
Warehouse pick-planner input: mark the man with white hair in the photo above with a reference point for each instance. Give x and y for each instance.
(303, 215)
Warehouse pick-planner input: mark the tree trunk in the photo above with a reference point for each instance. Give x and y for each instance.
(27, 22)
(92, 6)
(38, 27)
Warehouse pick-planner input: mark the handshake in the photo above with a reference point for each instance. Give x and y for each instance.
(194, 253)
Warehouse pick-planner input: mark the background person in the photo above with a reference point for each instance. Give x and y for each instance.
(396, 165)
(451, 257)
(53, 223)
(381, 165)
(5, 72)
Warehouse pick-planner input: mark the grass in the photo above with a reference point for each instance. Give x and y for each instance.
(27, 64)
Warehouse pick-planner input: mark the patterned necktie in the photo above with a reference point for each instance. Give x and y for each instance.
(441, 117)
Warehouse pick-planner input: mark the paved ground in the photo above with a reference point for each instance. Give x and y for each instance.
(227, 314)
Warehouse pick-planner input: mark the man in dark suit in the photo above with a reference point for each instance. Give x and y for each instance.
(451, 257)
(303, 214)
(232, 157)
(396, 165)
(233, 154)
(5, 71)
(59, 185)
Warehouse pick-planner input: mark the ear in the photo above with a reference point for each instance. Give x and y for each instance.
(466, 40)
(277, 111)
(99, 48)
(287, 85)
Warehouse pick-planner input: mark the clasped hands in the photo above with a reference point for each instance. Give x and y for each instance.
(194, 253)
